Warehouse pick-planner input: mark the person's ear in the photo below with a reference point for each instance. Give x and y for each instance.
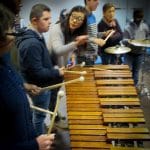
(34, 21)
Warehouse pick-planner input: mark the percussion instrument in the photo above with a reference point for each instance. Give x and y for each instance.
(117, 50)
(140, 42)
(104, 111)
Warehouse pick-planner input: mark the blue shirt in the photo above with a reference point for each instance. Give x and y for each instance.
(16, 129)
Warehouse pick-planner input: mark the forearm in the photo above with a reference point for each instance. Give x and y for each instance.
(61, 49)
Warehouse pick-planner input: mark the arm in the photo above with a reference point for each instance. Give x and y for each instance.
(100, 42)
(126, 37)
(118, 35)
(57, 42)
(34, 65)
(147, 32)
(32, 89)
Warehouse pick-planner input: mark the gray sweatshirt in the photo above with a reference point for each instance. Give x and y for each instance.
(56, 44)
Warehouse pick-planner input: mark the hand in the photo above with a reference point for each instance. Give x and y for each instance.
(82, 39)
(31, 88)
(45, 141)
(99, 42)
(106, 33)
(72, 62)
(71, 65)
(61, 71)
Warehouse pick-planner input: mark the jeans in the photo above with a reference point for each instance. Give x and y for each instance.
(134, 61)
(111, 59)
(41, 101)
(88, 61)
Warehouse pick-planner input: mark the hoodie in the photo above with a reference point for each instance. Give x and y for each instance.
(36, 64)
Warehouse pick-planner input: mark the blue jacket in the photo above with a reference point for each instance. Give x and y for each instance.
(16, 129)
(36, 63)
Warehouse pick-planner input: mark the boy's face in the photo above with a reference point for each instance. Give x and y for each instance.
(92, 4)
(43, 23)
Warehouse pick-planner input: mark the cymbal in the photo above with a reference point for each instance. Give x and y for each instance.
(117, 50)
(140, 42)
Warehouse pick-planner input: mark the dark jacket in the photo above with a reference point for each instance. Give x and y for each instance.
(16, 128)
(36, 63)
(114, 39)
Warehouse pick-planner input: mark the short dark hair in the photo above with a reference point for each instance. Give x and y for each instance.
(37, 11)
(138, 13)
(108, 6)
(6, 22)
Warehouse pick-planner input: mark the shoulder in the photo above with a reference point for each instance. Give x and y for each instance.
(55, 32)
(145, 25)
(55, 28)
(101, 23)
(28, 39)
(130, 25)
(91, 19)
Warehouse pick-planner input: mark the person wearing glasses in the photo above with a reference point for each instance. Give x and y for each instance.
(16, 128)
(68, 36)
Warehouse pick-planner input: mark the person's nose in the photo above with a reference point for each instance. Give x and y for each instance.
(74, 20)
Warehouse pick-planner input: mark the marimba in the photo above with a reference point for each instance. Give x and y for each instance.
(104, 111)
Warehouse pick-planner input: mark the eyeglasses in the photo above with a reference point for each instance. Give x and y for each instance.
(77, 18)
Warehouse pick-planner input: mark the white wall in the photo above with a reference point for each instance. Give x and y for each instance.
(55, 5)
(123, 12)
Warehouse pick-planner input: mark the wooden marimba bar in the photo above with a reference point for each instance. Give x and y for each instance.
(104, 111)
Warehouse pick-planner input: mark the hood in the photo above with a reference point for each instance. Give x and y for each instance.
(27, 34)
